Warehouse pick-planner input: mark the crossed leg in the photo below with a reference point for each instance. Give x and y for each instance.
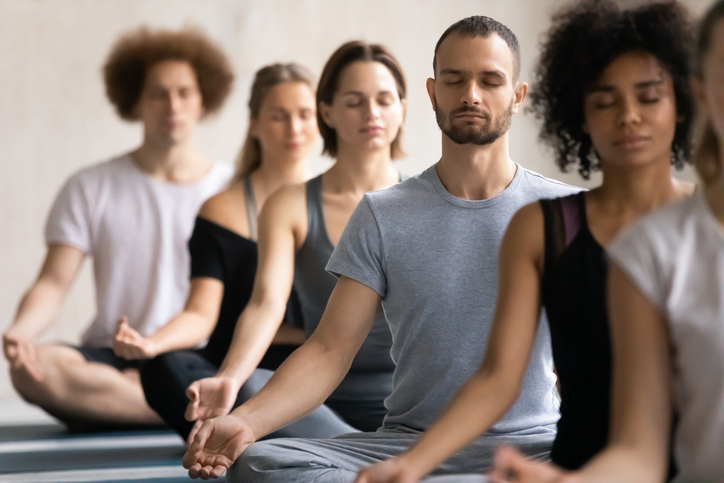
(79, 392)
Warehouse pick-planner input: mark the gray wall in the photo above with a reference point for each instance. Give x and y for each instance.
(54, 117)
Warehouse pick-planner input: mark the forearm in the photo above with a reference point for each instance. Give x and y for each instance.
(37, 309)
(477, 405)
(620, 464)
(253, 335)
(185, 330)
(298, 387)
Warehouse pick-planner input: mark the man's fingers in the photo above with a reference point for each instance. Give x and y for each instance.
(218, 471)
(200, 437)
(194, 471)
(192, 393)
(194, 430)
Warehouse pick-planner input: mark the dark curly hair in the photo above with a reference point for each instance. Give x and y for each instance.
(137, 51)
(583, 40)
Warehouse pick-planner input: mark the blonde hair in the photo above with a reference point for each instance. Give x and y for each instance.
(265, 80)
(707, 158)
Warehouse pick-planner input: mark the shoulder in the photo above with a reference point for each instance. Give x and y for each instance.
(404, 193)
(544, 187)
(526, 226)
(90, 181)
(226, 209)
(664, 228)
(221, 172)
(286, 206)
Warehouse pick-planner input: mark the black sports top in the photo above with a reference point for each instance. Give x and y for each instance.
(573, 293)
(219, 253)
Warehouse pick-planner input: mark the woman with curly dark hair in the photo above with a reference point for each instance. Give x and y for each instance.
(613, 95)
(665, 291)
(133, 215)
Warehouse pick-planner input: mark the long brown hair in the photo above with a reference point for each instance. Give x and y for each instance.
(708, 155)
(349, 52)
(265, 80)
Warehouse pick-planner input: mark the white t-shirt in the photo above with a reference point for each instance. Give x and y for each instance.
(136, 229)
(676, 258)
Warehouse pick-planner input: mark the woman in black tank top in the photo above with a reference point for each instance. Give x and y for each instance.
(611, 87)
(360, 102)
(223, 250)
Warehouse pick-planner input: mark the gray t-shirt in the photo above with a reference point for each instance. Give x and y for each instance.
(434, 260)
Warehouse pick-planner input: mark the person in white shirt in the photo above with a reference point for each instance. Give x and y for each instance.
(666, 304)
(133, 215)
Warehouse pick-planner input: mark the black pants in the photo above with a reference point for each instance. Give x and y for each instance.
(166, 378)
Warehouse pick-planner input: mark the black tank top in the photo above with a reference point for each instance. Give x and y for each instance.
(573, 292)
(219, 253)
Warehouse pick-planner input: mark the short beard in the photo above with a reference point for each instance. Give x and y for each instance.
(473, 135)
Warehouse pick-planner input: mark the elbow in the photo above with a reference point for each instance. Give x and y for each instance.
(505, 387)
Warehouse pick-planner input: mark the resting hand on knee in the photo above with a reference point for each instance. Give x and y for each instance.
(390, 471)
(211, 397)
(129, 344)
(216, 445)
(20, 353)
(510, 466)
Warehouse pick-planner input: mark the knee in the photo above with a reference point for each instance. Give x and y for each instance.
(253, 462)
(32, 390)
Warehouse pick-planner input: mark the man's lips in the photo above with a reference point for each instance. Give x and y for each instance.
(469, 115)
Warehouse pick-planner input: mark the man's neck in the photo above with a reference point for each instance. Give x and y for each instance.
(174, 163)
(473, 172)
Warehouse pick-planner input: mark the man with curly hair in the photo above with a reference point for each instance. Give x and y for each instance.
(133, 216)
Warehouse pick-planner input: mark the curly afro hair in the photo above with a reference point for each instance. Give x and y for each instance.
(583, 40)
(137, 51)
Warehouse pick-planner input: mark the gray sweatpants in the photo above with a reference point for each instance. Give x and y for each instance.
(338, 459)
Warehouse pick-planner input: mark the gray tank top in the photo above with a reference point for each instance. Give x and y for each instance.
(251, 209)
(314, 285)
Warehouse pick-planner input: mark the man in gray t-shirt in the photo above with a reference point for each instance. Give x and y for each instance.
(428, 249)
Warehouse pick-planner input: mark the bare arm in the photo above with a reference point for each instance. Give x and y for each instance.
(299, 386)
(490, 392)
(262, 316)
(41, 304)
(641, 399)
(257, 325)
(186, 329)
(312, 372)
(640, 408)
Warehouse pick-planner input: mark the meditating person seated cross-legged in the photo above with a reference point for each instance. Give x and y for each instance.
(666, 299)
(360, 111)
(133, 215)
(630, 104)
(427, 250)
(282, 131)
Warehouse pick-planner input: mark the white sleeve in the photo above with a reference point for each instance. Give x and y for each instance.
(637, 253)
(69, 221)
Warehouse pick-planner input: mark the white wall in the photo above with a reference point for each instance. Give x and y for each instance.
(54, 117)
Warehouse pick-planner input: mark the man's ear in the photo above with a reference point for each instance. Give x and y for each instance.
(325, 111)
(430, 86)
(519, 94)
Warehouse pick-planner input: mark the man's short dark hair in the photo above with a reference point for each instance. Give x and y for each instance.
(480, 26)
